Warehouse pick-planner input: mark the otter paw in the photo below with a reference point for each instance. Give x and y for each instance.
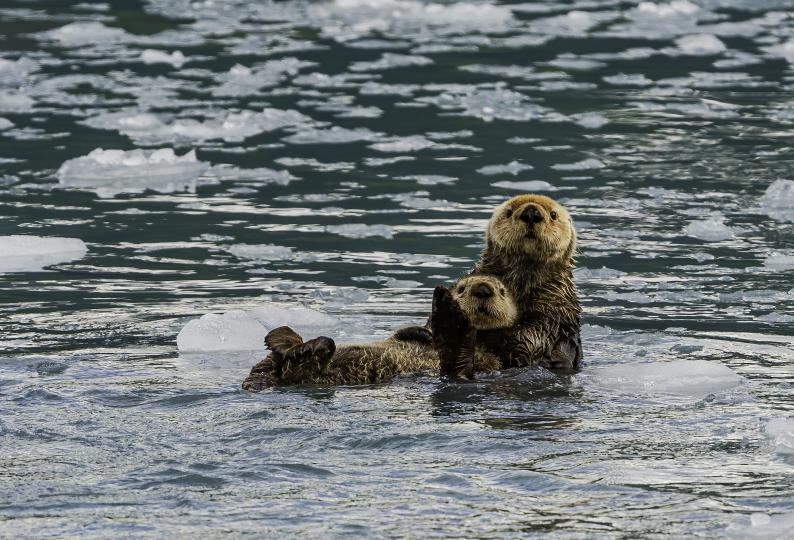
(564, 356)
(306, 362)
(417, 334)
(447, 318)
(281, 339)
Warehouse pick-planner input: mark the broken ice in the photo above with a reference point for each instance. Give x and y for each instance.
(24, 253)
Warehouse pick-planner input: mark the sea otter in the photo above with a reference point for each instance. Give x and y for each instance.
(530, 247)
(473, 304)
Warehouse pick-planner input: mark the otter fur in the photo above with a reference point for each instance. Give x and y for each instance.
(473, 304)
(530, 247)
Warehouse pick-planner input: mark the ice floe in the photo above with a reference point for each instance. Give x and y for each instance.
(15, 101)
(391, 61)
(111, 172)
(682, 377)
(712, 229)
(360, 230)
(24, 253)
(261, 252)
(488, 104)
(5, 123)
(700, 45)
(526, 185)
(778, 200)
(780, 435)
(774, 317)
(782, 50)
(332, 135)
(241, 80)
(585, 164)
(779, 261)
(514, 167)
(154, 56)
(762, 527)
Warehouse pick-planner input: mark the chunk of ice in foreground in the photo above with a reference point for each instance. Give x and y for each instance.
(110, 172)
(778, 200)
(780, 435)
(700, 45)
(712, 229)
(360, 230)
(763, 526)
(682, 377)
(22, 253)
(239, 330)
(154, 56)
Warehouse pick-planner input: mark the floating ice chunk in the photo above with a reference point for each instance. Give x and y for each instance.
(390, 61)
(775, 317)
(78, 34)
(429, 179)
(700, 45)
(333, 135)
(574, 23)
(683, 377)
(394, 283)
(241, 80)
(585, 164)
(587, 274)
(154, 56)
(576, 64)
(232, 331)
(527, 185)
(779, 261)
(650, 20)
(340, 295)
(778, 200)
(260, 175)
(378, 162)
(371, 88)
(261, 252)
(782, 50)
(712, 229)
(23, 253)
(514, 167)
(780, 436)
(14, 73)
(631, 79)
(763, 527)
(13, 101)
(412, 143)
(315, 164)
(110, 172)
(5, 123)
(488, 104)
(360, 230)
(307, 322)
(590, 120)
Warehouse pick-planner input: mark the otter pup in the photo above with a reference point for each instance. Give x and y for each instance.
(530, 247)
(474, 303)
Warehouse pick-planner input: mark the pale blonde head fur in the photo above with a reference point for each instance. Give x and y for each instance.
(535, 226)
(486, 301)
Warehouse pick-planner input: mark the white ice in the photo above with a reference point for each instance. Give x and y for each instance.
(488, 104)
(14, 101)
(261, 252)
(332, 135)
(412, 143)
(775, 317)
(778, 200)
(762, 527)
(585, 164)
(241, 80)
(782, 50)
(779, 434)
(110, 172)
(712, 229)
(694, 378)
(360, 230)
(628, 79)
(391, 61)
(514, 167)
(700, 45)
(23, 253)
(779, 261)
(154, 56)
(527, 185)
(5, 123)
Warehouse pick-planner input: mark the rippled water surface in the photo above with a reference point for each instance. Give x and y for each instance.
(338, 159)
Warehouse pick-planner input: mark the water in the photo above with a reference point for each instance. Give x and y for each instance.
(660, 126)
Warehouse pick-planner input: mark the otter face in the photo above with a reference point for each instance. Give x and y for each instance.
(486, 301)
(534, 225)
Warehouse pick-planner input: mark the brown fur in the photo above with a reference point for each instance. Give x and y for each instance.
(535, 263)
(320, 362)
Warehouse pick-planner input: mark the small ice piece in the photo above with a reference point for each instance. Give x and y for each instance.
(307, 322)
(782, 50)
(379, 162)
(340, 295)
(14, 73)
(700, 45)
(585, 164)
(232, 331)
(778, 200)
(780, 436)
(394, 283)
(78, 34)
(360, 230)
(514, 167)
(429, 179)
(694, 378)
(628, 79)
(712, 229)
(260, 175)
(242, 81)
(153, 56)
(527, 185)
(590, 120)
(779, 261)
(13, 101)
(762, 527)
(775, 317)
(588, 274)
(487, 104)
(110, 172)
(390, 61)
(261, 252)
(333, 135)
(412, 143)
(5, 123)
(23, 253)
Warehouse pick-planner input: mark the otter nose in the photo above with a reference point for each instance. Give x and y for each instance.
(482, 291)
(531, 215)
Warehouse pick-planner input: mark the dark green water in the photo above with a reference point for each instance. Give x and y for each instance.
(347, 157)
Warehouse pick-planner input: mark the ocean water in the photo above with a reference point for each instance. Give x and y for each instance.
(212, 169)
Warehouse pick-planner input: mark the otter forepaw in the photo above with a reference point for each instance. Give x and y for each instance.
(306, 362)
(453, 337)
(447, 318)
(282, 339)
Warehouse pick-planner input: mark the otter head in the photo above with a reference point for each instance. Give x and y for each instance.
(486, 301)
(534, 225)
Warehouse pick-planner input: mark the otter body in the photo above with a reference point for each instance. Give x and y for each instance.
(473, 304)
(530, 245)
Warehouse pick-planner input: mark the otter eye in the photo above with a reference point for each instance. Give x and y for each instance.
(553, 215)
(461, 289)
(502, 292)
(509, 212)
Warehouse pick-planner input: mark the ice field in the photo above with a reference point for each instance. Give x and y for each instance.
(178, 177)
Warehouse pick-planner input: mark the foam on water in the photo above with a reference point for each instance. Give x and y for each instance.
(110, 172)
(25, 253)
